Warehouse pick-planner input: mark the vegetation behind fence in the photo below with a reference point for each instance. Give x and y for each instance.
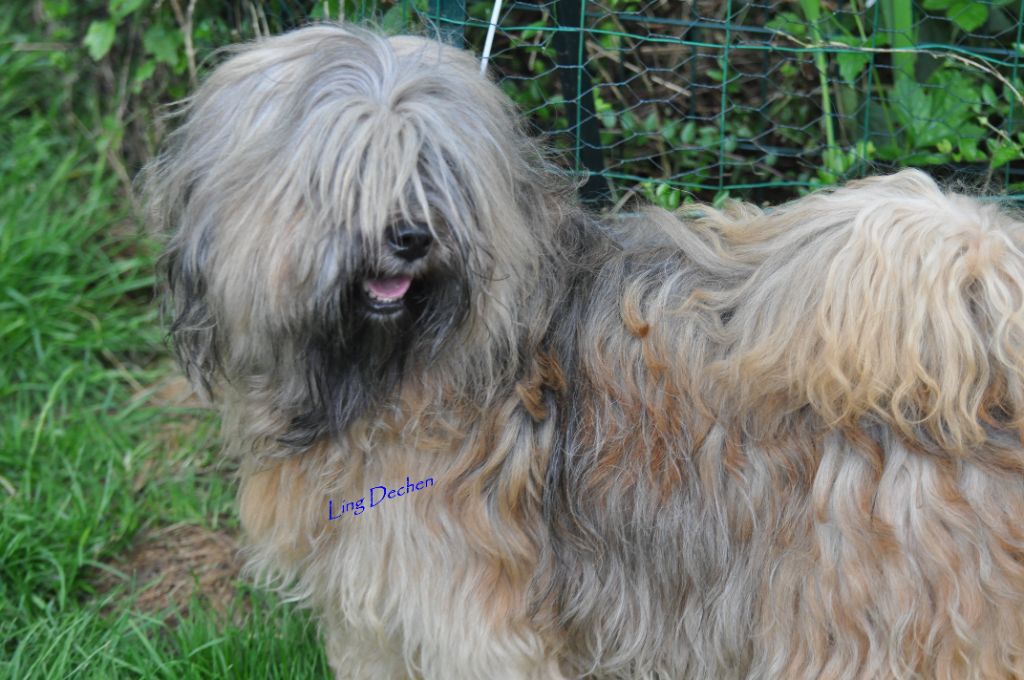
(758, 97)
(666, 98)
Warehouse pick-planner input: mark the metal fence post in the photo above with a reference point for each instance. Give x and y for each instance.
(570, 56)
(449, 16)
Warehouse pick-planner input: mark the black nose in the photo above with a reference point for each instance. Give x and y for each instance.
(410, 241)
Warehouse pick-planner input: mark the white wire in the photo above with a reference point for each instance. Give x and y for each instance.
(490, 36)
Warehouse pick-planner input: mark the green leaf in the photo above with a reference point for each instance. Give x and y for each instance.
(864, 150)
(937, 4)
(835, 161)
(953, 97)
(57, 9)
(689, 133)
(629, 123)
(970, 152)
(925, 159)
(99, 38)
(827, 177)
(968, 131)
(119, 9)
(812, 11)
(708, 135)
(989, 95)
(162, 44)
(142, 73)
(851, 64)
(888, 152)
(666, 197)
(788, 22)
(967, 14)
(1003, 153)
(912, 107)
(356, 10)
(395, 20)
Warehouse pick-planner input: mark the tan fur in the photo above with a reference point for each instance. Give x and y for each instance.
(403, 570)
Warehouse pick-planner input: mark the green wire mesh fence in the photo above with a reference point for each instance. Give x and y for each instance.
(674, 98)
(765, 99)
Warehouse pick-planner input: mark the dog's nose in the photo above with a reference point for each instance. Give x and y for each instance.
(410, 241)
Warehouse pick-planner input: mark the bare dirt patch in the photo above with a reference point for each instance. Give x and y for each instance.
(167, 566)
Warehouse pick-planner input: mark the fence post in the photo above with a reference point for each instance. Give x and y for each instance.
(449, 16)
(570, 56)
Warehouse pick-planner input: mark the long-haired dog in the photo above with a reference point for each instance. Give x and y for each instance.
(722, 444)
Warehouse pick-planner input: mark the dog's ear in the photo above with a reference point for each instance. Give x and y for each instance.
(170, 184)
(193, 332)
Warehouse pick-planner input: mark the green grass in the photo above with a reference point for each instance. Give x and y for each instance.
(89, 458)
(273, 643)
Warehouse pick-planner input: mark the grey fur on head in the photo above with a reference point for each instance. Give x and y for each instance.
(294, 159)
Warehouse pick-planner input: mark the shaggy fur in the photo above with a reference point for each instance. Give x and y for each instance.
(722, 444)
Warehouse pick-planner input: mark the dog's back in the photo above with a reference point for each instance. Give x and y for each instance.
(814, 472)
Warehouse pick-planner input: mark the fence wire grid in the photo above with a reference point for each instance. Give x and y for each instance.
(673, 99)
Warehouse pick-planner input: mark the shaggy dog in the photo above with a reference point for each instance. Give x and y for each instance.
(721, 444)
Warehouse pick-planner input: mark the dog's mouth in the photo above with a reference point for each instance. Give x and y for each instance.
(387, 295)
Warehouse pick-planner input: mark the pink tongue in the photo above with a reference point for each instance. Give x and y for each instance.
(389, 288)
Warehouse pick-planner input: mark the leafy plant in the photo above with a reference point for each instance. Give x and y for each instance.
(904, 105)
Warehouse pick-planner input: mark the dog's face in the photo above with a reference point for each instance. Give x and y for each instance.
(339, 206)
